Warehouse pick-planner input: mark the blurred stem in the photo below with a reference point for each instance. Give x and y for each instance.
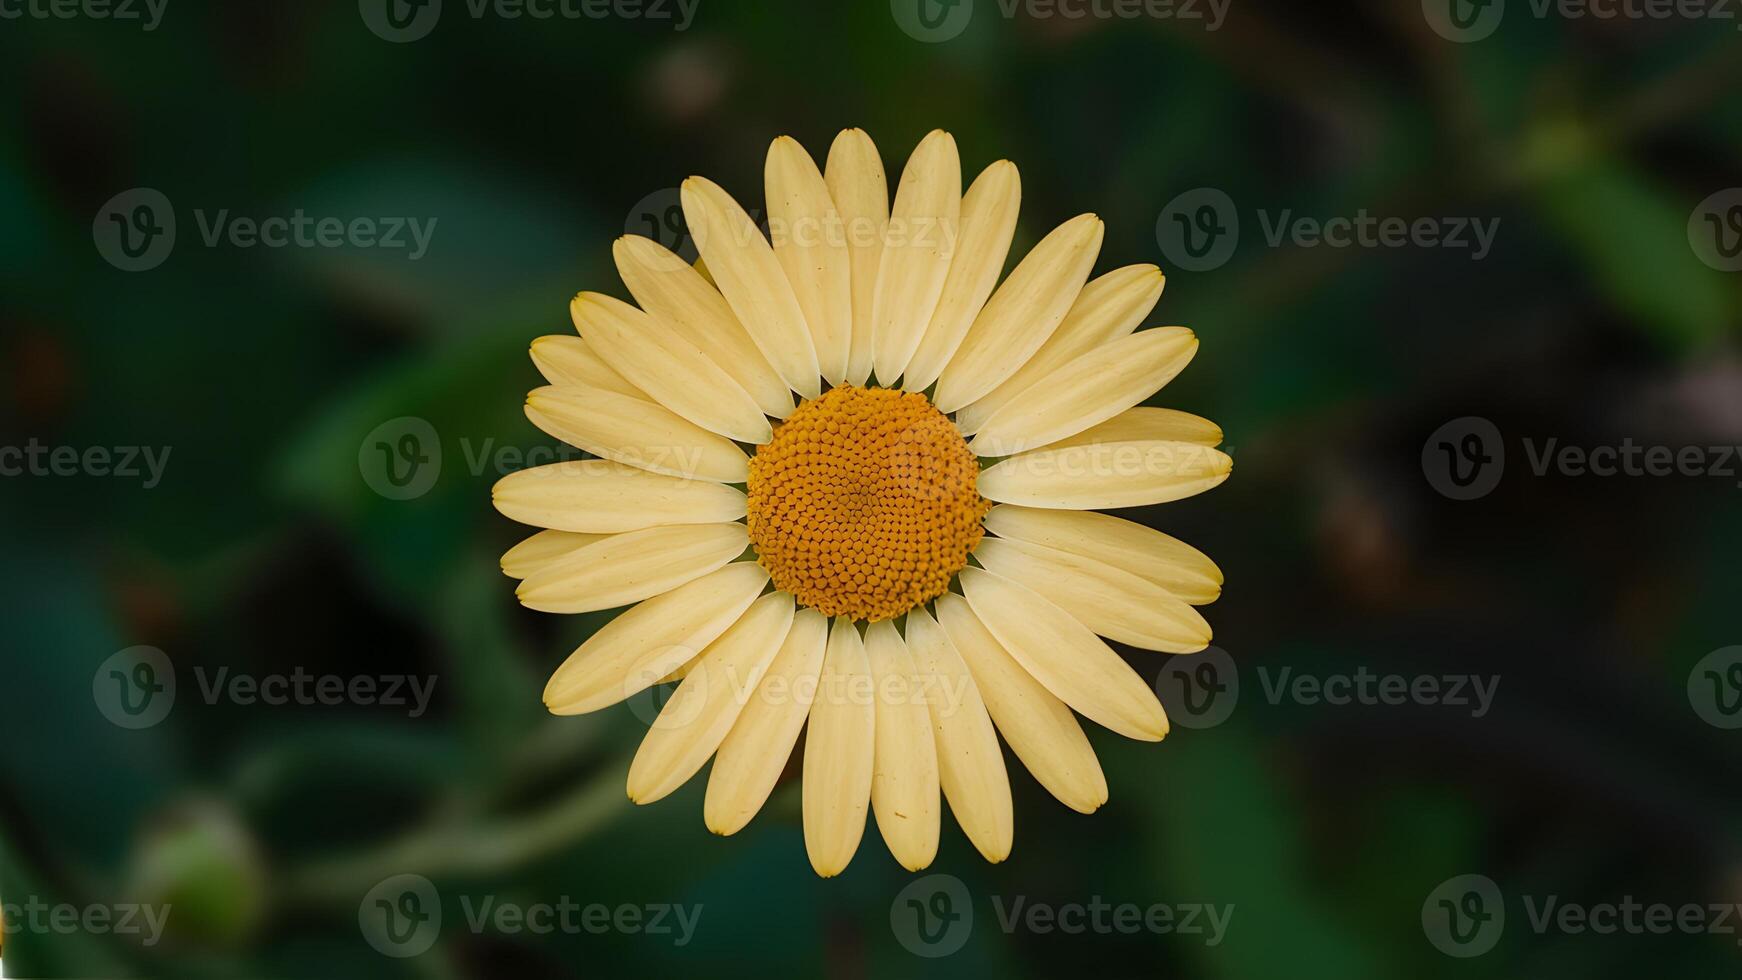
(481, 849)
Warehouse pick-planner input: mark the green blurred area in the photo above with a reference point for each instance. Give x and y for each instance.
(270, 374)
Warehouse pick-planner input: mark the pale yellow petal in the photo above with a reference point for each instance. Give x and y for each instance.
(1023, 313)
(924, 229)
(636, 433)
(1111, 601)
(839, 749)
(1109, 307)
(543, 549)
(680, 672)
(705, 706)
(664, 365)
(1039, 727)
(597, 496)
(1106, 475)
(810, 242)
(1072, 662)
(860, 190)
(970, 763)
(680, 297)
(1181, 569)
(756, 751)
(1087, 391)
(642, 645)
(904, 779)
(988, 224)
(1144, 424)
(629, 567)
(572, 361)
(750, 277)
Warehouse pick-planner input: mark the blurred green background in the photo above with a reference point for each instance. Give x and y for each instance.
(268, 375)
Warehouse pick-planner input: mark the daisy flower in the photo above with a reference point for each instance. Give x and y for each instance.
(846, 483)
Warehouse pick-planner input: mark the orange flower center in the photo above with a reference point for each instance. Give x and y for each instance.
(864, 503)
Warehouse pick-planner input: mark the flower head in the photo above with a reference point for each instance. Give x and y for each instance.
(846, 482)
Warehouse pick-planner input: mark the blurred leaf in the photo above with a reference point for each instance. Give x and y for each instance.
(1634, 239)
(1226, 833)
(498, 698)
(466, 391)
